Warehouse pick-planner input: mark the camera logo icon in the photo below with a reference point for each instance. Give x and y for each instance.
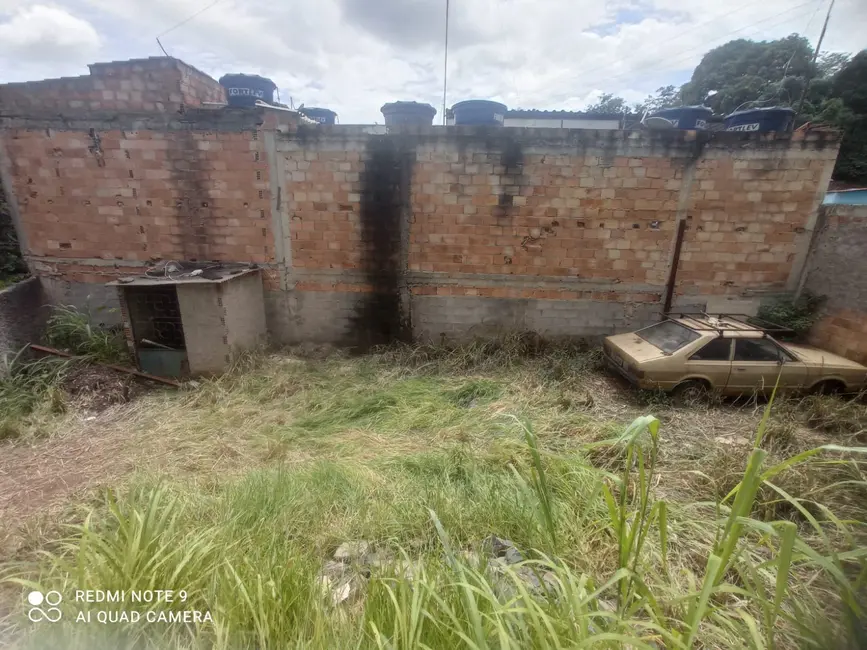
(51, 613)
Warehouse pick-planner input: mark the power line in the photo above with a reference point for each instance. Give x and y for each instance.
(689, 29)
(446, 63)
(184, 22)
(683, 56)
(815, 58)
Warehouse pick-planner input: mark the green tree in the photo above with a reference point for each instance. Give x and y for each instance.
(743, 71)
(830, 63)
(608, 103)
(665, 97)
(847, 110)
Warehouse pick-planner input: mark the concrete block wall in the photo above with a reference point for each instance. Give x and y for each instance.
(203, 317)
(23, 315)
(837, 270)
(243, 312)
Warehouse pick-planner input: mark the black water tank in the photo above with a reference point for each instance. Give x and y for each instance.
(321, 115)
(244, 90)
(686, 117)
(398, 113)
(761, 120)
(479, 111)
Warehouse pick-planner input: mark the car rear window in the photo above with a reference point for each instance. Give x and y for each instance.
(668, 336)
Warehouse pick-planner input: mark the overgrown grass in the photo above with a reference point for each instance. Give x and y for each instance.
(424, 454)
(28, 386)
(74, 331)
(34, 387)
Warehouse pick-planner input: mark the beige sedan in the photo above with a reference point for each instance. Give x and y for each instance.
(689, 355)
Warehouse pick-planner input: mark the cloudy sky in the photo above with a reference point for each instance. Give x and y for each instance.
(354, 55)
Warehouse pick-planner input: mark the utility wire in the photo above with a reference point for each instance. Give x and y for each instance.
(446, 63)
(684, 56)
(685, 32)
(184, 22)
(687, 54)
(815, 58)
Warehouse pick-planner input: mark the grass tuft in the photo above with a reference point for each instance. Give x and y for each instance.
(72, 330)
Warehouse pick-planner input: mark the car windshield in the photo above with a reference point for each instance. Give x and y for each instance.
(669, 336)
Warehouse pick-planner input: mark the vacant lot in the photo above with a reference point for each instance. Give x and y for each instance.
(493, 496)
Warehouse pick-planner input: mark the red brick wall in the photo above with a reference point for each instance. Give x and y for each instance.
(538, 216)
(198, 88)
(837, 271)
(136, 196)
(590, 217)
(844, 332)
(748, 214)
(562, 216)
(159, 84)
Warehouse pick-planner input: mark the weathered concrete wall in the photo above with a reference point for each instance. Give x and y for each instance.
(244, 312)
(365, 238)
(837, 269)
(204, 327)
(23, 314)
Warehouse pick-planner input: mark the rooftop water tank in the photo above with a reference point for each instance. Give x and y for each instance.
(321, 115)
(762, 120)
(399, 113)
(479, 111)
(685, 117)
(244, 90)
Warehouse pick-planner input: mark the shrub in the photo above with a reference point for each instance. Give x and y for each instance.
(799, 314)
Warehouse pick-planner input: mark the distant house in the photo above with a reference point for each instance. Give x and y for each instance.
(560, 119)
(563, 119)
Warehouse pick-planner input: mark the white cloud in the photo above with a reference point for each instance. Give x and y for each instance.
(354, 55)
(42, 35)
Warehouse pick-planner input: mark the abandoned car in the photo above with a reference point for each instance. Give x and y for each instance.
(691, 355)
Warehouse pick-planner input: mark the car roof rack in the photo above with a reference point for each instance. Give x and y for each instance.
(741, 322)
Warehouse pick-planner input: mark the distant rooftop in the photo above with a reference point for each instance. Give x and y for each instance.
(532, 113)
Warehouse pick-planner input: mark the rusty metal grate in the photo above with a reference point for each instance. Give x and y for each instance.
(155, 315)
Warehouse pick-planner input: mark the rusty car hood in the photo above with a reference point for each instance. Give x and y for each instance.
(822, 358)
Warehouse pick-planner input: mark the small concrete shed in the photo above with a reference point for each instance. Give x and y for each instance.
(185, 319)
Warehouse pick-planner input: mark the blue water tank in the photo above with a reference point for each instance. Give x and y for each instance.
(479, 111)
(686, 117)
(397, 113)
(776, 118)
(244, 90)
(321, 115)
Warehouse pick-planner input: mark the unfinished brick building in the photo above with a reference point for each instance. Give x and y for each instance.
(422, 233)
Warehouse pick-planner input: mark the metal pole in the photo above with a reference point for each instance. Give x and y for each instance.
(815, 58)
(446, 63)
(672, 276)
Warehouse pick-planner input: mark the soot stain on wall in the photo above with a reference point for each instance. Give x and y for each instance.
(512, 177)
(385, 189)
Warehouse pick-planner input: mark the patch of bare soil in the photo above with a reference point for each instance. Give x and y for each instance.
(39, 475)
(95, 388)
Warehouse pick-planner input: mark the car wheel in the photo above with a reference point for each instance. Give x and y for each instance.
(692, 391)
(829, 387)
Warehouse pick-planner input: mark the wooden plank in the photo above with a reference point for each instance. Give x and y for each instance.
(129, 371)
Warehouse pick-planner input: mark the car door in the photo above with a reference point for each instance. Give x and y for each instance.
(711, 361)
(756, 364)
